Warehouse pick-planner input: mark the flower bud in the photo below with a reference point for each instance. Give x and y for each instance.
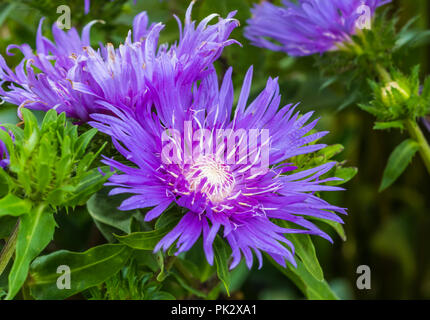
(389, 97)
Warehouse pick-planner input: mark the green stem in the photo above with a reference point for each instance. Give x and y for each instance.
(385, 76)
(416, 133)
(185, 272)
(169, 263)
(411, 125)
(9, 248)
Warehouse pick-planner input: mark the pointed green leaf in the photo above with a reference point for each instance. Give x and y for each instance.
(31, 126)
(87, 269)
(338, 227)
(7, 140)
(35, 232)
(346, 174)
(311, 287)
(398, 161)
(146, 240)
(330, 151)
(221, 261)
(49, 118)
(305, 250)
(104, 211)
(88, 185)
(82, 143)
(161, 295)
(11, 205)
(160, 261)
(7, 11)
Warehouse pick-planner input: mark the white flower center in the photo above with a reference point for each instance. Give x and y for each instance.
(210, 177)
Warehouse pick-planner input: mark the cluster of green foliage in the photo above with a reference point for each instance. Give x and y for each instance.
(55, 210)
(49, 169)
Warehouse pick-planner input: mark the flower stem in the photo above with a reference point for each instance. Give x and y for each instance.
(411, 125)
(385, 76)
(8, 249)
(184, 271)
(416, 133)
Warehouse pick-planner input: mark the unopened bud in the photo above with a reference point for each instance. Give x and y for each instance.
(387, 93)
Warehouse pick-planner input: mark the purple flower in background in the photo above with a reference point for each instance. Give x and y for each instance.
(87, 4)
(309, 26)
(239, 191)
(53, 85)
(79, 80)
(4, 154)
(426, 121)
(140, 69)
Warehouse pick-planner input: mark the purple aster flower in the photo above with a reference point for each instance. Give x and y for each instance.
(241, 191)
(137, 71)
(309, 26)
(78, 80)
(52, 85)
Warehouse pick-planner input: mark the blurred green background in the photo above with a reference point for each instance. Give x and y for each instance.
(388, 231)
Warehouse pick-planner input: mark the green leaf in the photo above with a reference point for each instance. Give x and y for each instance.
(311, 287)
(221, 261)
(7, 140)
(197, 264)
(328, 82)
(11, 205)
(87, 269)
(31, 126)
(49, 119)
(389, 125)
(5, 180)
(82, 143)
(238, 277)
(168, 218)
(36, 230)
(88, 185)
(331, 151)
(338, 227)
(305, 250)
(146, 240)
(103, 210)
(346, 174)
(161, 295)
(186, 286)
(160, 261)
(351, 99)
(5, 12)
(398, 161)
(147, 259)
